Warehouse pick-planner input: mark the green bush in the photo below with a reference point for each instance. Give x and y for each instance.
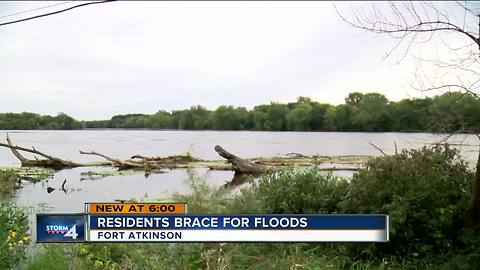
(14, 236)
(52, 257)
(307, 191)
(424, 191)
(8, 181)
(203, 198)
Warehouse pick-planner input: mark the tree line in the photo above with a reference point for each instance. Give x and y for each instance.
(371, 112)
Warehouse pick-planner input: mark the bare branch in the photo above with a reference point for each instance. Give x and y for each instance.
(378, 148)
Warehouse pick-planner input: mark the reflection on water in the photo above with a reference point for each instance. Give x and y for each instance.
(125, 143)
(77, 191)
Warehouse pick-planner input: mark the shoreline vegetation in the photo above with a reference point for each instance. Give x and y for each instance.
(371, 112)
(424, 191)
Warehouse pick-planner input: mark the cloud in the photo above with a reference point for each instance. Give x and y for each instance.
(100, 60)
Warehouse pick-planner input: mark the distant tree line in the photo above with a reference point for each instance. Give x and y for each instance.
(27, 120)
(372, 112)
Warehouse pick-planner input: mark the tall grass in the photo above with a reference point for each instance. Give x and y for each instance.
(14, 235)
(395, 185)
(8, 182)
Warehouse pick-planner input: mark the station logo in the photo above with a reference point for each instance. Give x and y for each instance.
(52, 228)
(62, 229)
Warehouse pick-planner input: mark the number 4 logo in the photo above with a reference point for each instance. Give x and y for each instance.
(72, 232)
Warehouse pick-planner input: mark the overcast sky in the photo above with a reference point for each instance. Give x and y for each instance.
(124, 57)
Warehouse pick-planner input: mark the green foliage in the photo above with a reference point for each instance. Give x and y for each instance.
(340, 118)
(229, 118)
(108, 256)
(103, 256)
(14, 236)
(276, 117)
(203, 198)
(197, 117)
(452, 111)
(371, 114)
(52, 258)
(8, 181)
(425, 192)
(410, 114)
(160, 120)
(308, 191)
(298, 118)
(317, 116)
(354, 99)
(27, 120)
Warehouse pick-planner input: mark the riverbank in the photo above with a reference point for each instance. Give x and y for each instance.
(426, 228)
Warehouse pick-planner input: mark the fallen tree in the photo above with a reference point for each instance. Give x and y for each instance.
(232, 162)
(241, 165)
(122, 164)
(49, 161)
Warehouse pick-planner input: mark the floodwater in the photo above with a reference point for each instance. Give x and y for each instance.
(123, 144)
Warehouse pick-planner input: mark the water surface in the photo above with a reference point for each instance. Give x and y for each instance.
(125, 143)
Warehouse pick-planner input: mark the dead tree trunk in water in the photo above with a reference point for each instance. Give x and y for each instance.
(122, 164)
(156, 164)
(240, 165)
(49, 162)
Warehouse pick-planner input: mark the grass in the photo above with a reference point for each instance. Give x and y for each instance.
(29, 173)
(205, 199)
(307, 190)
(14, 234)
(8, 181)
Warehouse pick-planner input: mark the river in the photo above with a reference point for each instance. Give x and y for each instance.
(125, 143)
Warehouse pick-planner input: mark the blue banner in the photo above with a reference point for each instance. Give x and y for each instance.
(239, 222)
(53, 228)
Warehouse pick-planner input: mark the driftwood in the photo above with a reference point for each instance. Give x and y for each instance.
(122, 164)
(149, 163)
(49, 161)
(241, 165)
(170, 162)
(232, 162)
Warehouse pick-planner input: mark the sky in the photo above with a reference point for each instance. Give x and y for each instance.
(121, 57)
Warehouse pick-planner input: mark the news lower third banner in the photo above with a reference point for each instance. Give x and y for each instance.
(172, 223)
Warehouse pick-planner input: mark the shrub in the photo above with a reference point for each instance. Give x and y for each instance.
(424, 191)
(203, 198)
(8, 181)
(52, 257)
(307, 191)
(14, 236)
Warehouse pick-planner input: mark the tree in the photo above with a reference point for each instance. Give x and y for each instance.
(200, 116)
(258, 117)
(229, 118)
(160, 120)
(317, 115)
(340, 118)
(67, 122)
(329, 119)
(411, 23)
(303, 99)
(410, 115)
(372, 114)
(276, 118)
(298, 118)
(354, 98)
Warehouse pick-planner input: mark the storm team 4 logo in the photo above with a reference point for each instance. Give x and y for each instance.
(62, 229)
